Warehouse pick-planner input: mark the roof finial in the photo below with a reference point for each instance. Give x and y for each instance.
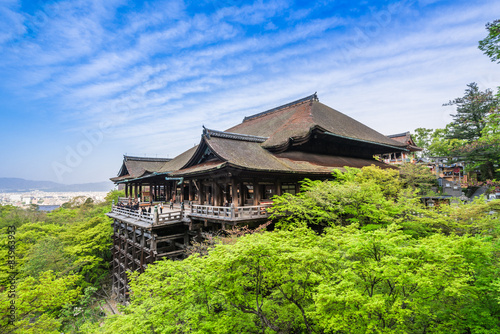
(205, 132)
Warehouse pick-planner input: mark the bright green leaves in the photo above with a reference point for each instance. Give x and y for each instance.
(371, 197)
(88, 243)
(58, 254)
(389, 283)
(39, 303)
(344, 281)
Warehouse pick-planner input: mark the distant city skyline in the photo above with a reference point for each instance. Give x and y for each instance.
(85, 82)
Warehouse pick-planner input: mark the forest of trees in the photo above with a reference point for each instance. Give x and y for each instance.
(359, 254)
(473, 136)
(54, 267)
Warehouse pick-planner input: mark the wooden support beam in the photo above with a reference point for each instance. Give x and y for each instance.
(256, 192)
(170, 237)
(215, 192)
(234, 193)
(172, 253)
(191, 197)
(243, 194)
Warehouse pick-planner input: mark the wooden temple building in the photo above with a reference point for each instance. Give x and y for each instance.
(402, 156)
(230, 178)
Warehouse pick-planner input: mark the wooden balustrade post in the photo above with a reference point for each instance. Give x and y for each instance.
(155, 216)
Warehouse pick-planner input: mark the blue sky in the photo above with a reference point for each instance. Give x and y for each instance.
(84, 82)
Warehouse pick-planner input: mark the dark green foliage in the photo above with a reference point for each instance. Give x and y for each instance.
(491, 44)
(473, 115)
(62, 260)
(472, 109)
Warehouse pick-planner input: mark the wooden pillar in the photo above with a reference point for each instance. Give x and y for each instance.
(126, 190)
(277, 184)
(136, 190)
(227, 194)
(210, 194)
(216, 193)
(243, 194)
(256, 193)
(182, 192)
(201, 195)
(234, 193)
(190, 191)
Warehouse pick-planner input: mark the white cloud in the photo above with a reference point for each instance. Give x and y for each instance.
(160, 73)
(11, 25)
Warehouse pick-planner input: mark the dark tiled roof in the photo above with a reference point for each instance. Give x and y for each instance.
(245, 154)
(145, 159)
(203, 167)
(250, 145)
(230, 135)
(297, 120)
(179, 161)
(251, 156)
(329, 162)
(400, 136)
(133, 167)
(406, 139)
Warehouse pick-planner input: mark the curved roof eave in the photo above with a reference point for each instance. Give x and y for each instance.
(398, 148)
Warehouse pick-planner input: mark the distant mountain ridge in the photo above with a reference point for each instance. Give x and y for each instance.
(13, 184)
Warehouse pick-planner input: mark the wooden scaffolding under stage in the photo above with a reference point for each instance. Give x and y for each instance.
(140, 239)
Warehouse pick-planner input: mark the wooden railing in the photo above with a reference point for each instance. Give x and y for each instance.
(150, 218)
(137, 214)
(229, 213)
(168, 217)
(123, 200)
(199, 211)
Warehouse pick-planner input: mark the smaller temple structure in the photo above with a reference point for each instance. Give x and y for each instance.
(136, 167)
(402, 156)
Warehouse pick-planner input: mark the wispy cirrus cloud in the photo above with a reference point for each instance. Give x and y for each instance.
(156, 71)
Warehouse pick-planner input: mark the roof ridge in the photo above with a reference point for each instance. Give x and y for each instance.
(399, 134)
(313, 97)
(151, 159)
(232, 135)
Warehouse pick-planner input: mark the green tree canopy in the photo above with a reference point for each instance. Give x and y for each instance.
(343, 281)
(471, 112)
(491, 44)
(466, 132)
